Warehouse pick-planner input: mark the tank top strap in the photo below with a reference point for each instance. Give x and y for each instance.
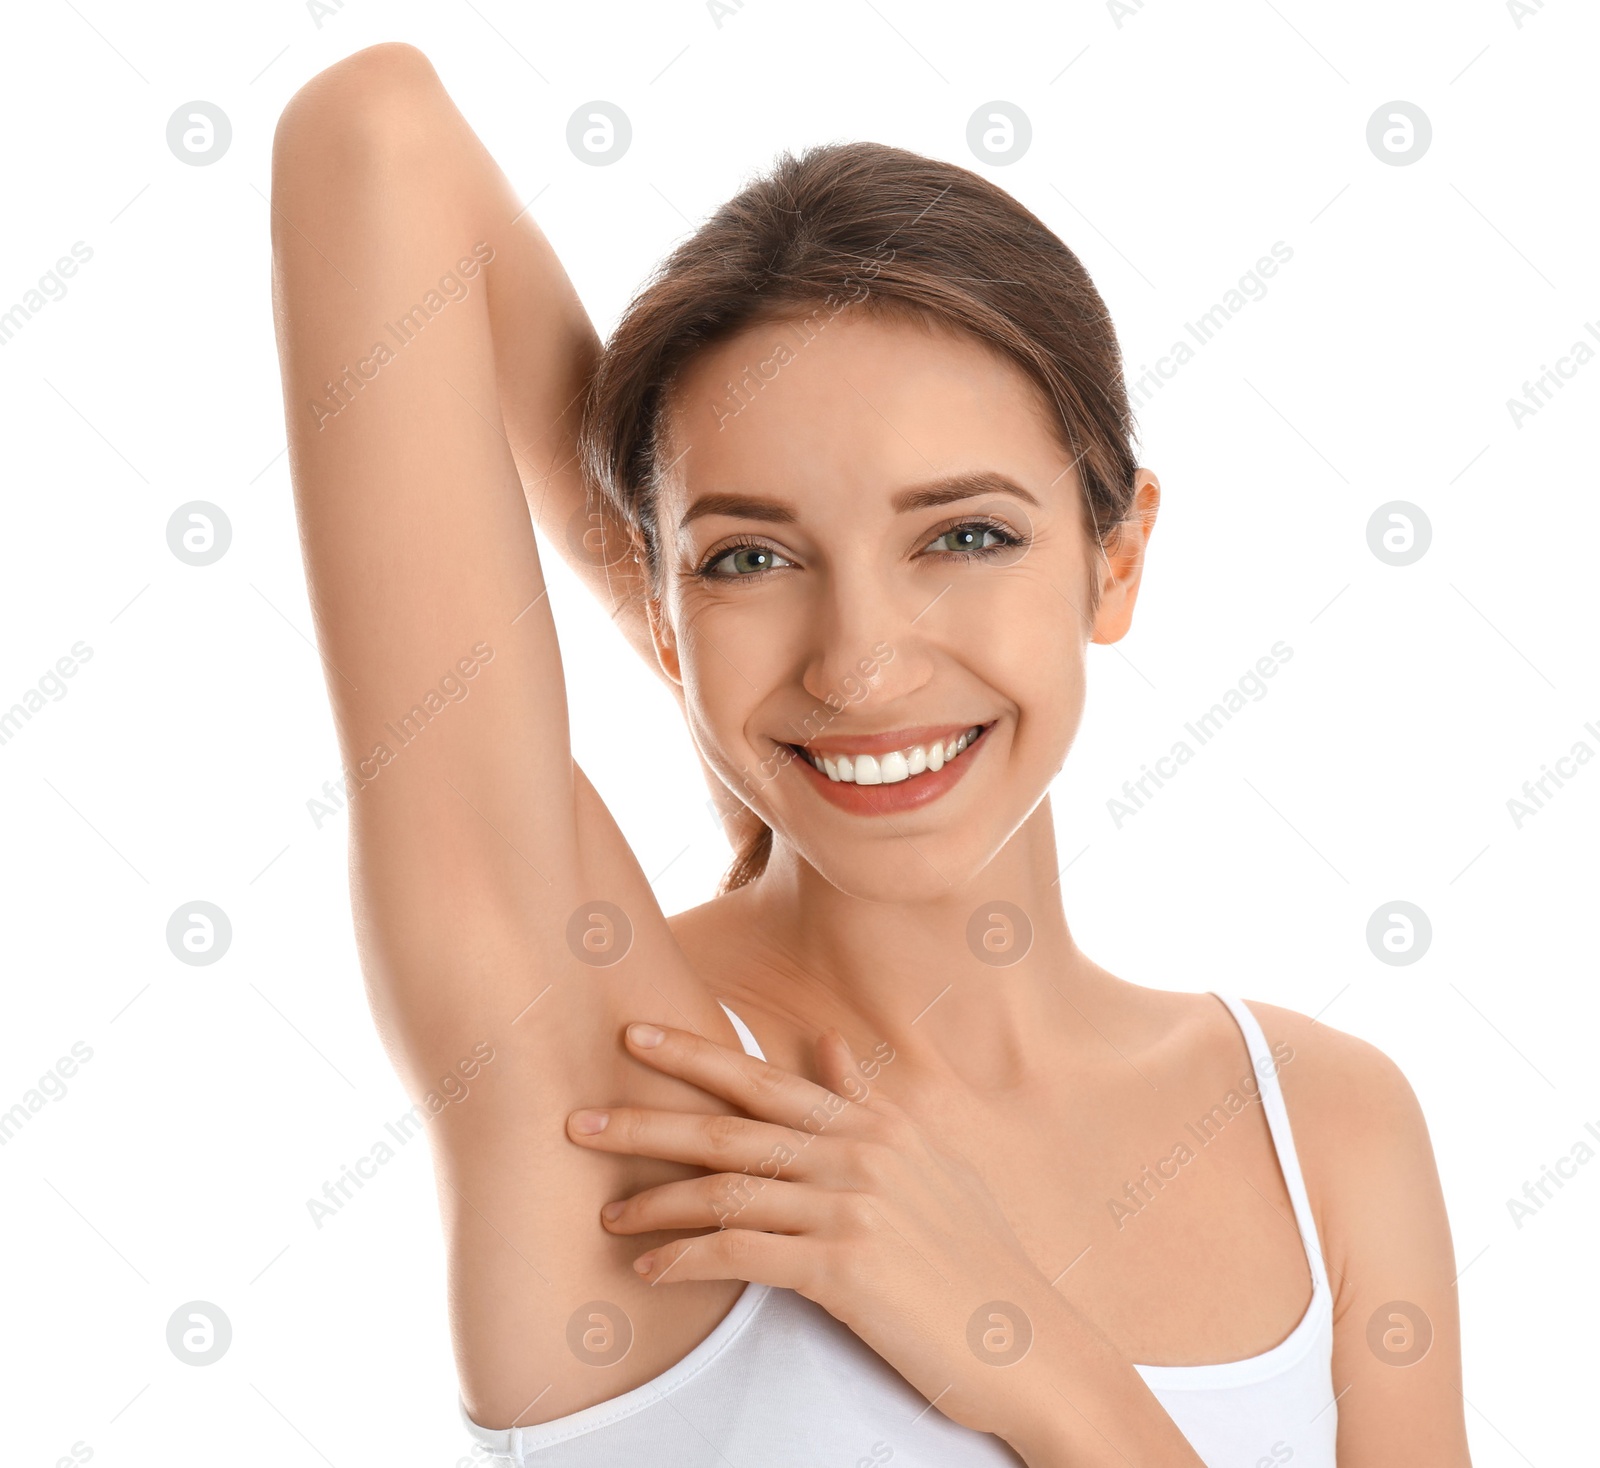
(743, 1031)
(1265, 1065)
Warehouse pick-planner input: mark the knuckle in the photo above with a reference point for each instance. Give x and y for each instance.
(859, 1159)
(857, 1216)
(723, 1132)
(728, 1195)
(626, 1123)
(764, 1082)
(735, 1246)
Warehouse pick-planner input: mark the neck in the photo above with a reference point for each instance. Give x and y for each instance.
(964, 986)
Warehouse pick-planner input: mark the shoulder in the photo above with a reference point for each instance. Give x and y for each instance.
(1363, 1145)
(1333, 1075)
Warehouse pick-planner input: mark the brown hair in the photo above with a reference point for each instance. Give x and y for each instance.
(901, 234)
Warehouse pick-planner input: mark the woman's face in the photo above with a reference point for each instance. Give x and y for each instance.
(873, 546)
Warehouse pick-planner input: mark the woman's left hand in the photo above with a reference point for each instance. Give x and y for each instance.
(834, 1192)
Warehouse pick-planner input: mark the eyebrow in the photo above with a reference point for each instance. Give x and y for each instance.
(935, 492)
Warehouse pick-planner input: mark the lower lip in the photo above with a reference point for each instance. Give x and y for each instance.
(886, 800)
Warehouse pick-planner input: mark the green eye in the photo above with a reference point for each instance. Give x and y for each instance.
(744, 560)
(967, 538)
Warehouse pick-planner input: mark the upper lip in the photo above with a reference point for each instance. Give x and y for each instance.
(889, 739)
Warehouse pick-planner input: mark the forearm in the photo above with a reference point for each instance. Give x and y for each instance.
(1073, 1401)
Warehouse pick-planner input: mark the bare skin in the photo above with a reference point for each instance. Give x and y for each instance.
(1020, 1100)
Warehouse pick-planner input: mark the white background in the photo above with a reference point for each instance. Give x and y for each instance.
(1170, 151)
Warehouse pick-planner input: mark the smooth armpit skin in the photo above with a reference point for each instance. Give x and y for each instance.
(482, 862)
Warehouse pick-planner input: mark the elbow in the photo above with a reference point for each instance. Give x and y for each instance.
(353, 112)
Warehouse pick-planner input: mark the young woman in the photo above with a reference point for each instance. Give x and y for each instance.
(863, 1161)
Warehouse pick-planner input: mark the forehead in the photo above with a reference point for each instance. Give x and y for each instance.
(853, 404)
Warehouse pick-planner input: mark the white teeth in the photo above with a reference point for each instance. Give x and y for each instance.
(896, 765)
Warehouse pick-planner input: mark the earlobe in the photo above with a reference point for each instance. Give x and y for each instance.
(665, 640)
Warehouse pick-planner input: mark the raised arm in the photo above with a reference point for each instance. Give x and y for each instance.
(424, 328)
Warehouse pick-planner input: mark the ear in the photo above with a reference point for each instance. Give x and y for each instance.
(1123, 563)
(666, 644)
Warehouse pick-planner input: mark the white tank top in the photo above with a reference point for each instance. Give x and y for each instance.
(779, 1383)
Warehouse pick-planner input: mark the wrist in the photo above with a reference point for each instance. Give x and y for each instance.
(1071, 1398)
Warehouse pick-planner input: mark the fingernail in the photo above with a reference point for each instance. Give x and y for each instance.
(643, 1263)
(646, 1037)
(611, 1212)
(590, 1122)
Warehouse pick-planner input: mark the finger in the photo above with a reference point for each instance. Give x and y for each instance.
(756, 1087)
(723, 1200)
(839, 1069)
(731, 1253)
(718, 1143)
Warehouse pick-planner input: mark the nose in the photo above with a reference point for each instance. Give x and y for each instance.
(865, 649)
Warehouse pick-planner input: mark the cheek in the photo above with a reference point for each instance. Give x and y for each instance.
(727, 665)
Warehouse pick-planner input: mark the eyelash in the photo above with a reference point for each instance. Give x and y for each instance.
(1008, 538)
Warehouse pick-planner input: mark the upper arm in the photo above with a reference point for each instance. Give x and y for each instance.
(439, 654)
(409, 301)
(1374, 1187)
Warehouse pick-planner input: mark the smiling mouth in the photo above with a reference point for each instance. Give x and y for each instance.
(891, 767)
